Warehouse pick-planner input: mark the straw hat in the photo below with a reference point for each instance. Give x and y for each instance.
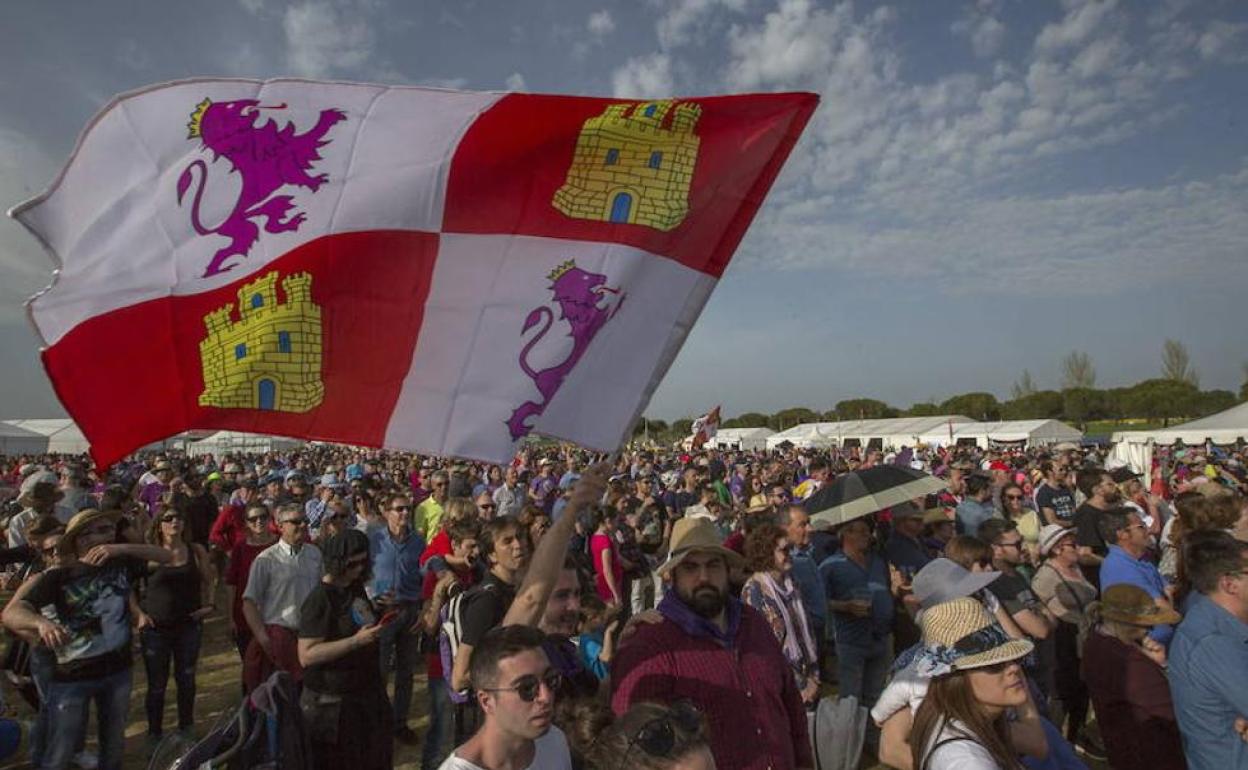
(964, 636)
(1051, 535)
(85, 518)
(690, 535)
(938, 515)
(1126, 603)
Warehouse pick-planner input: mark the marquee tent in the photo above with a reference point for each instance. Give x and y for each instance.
(226, 441)
(1222, 428)
(883, 433)
(985, 434)
(747, 439)
(60, 433)
(19, 441)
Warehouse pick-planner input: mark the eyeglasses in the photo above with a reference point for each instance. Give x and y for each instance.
(528, 686)
(170, 518)
(1015, 544)
(658, 736)
(299, 522)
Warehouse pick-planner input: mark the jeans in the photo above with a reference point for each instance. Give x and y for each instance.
(441, 726)
(861, 669)
(67, 718)
(402, 646)
(181, 644)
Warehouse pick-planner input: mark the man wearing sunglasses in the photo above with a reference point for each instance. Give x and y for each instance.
(397, 585)
(281, 578)
(428, 515)
(515, 689)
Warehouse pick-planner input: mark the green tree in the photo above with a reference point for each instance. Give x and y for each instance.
(1023, 387)
(682, 428)
(1161, 399)
(1243, 389)
(647, 425)
(787, 418)
(1082, 404)
(1176, 364)
(863, 409)
(1039, 405)
(752, 420)
(1077, 371)
(977, 406)
(1214, 401)
(926, 409)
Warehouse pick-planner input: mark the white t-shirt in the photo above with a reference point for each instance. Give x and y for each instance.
(551, 754)
(906, 690)
(959, 753)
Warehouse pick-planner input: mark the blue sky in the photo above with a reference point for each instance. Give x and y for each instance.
(986, 186)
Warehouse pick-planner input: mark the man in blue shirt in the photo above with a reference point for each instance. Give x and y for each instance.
(1209, 656)
(805, 571)
(858, 588)
(396, 585)
(976, 507)
(1128, 539)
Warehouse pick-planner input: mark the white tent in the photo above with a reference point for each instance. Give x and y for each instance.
(1222, 428)
(747, 439)
(226, 441)
(985, 434)
(61, 433)
(891, 432)
(19, 441)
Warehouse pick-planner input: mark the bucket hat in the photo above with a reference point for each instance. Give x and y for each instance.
(693, 535)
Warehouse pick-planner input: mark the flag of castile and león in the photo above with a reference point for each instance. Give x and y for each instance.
(440, 271)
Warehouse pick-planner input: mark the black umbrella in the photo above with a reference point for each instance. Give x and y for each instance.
(864, 492)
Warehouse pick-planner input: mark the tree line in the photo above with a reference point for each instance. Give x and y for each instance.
(1173, 396)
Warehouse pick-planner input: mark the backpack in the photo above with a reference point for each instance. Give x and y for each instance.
(450, 635)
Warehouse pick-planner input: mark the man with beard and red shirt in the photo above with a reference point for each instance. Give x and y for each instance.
(718, 654)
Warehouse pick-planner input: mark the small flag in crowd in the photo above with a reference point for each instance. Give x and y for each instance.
(705, 428)
(430, 270)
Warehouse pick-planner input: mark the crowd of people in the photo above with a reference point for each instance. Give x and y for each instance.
(663, 608)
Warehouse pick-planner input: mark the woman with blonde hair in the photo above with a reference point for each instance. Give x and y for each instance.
(975, 680)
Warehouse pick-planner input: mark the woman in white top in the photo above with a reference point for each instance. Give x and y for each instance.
(974, 679)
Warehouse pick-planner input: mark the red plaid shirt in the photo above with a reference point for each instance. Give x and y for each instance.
(747, 692)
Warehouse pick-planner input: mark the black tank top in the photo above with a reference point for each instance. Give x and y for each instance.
(173, 592)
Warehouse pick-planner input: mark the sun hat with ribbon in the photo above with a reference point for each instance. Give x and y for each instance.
(960, 635)
(1126, 603)
(83, 519)
(1051, 535)
(697, 534)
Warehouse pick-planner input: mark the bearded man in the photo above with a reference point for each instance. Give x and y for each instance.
(718, 654)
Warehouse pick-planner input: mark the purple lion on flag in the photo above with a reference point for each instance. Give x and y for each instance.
(578, 293)
(267, 158)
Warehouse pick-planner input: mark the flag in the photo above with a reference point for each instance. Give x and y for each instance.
(420, 269)
(705, 428)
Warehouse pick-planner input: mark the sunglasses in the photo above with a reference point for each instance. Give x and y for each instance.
(658, 736)
(257, 519)
(48, 550)
(299, 522)
(487, 506)
(527, 687)
(170, 518)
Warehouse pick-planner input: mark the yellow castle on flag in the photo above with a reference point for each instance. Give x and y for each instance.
(633, 163)
(270, 358)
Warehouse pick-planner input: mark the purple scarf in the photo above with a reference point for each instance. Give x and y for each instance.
(694, 624)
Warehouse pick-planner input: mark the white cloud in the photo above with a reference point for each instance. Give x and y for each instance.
(25, 171)
(600, 23)
(982, 27)
(686, 21)
(252, 6)
(644, 77)
(515, 82)
(324, 38)
(795, 41)
(1223, 41)
(1081, 22)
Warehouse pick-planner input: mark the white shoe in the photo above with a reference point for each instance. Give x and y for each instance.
(86, 760)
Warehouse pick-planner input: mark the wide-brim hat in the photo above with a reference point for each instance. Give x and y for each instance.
(1130, 604)
(40, 488)
(1051, 535)
(696, 535)
(942, 580)
(964, 636)
(938, 515)
(85, 518)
